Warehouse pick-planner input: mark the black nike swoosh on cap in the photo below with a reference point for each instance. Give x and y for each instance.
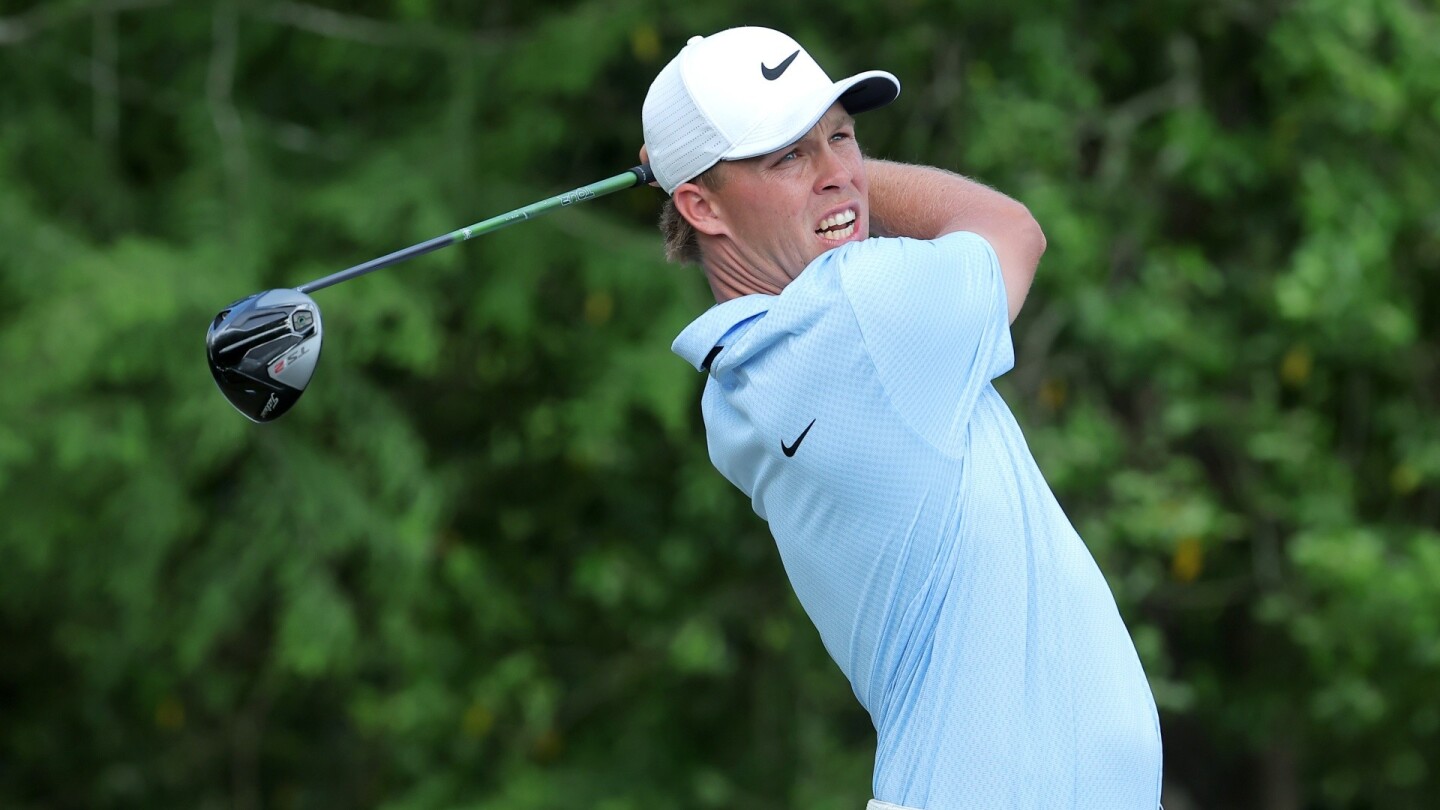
(774, 73)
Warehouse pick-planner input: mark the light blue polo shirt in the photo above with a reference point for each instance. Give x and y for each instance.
(856, 409)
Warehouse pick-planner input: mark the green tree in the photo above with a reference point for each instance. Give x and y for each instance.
(486, 562)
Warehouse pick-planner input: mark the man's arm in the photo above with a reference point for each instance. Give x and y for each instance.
(927, 203)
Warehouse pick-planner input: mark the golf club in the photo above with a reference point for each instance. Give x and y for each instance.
(263, 349)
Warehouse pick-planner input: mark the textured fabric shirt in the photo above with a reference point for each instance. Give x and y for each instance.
(857, 410)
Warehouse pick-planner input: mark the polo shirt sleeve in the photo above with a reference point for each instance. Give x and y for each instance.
(935, 322)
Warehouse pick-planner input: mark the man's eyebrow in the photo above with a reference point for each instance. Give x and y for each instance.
(832, 120)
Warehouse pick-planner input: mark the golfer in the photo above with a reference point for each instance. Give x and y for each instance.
(864, 309)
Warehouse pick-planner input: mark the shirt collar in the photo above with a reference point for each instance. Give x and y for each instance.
(705, 332)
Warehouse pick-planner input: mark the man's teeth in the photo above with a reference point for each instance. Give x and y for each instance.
(841, 218)
(844, 218)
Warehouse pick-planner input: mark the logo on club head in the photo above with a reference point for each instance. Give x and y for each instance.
(278, 367)
(269, 406)
(298, 352)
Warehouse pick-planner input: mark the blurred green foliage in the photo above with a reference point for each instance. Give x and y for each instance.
(486, 563)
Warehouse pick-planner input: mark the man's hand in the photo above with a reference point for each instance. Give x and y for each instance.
(645, 158)
(927, 203)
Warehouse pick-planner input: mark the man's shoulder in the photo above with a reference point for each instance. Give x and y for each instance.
(889, 275)
(884, 252)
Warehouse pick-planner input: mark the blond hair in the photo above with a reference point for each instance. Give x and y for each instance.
(682, 242)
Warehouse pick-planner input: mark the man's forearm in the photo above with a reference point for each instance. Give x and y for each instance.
(926, 203)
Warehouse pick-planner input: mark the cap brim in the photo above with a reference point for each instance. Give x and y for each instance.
(859, 93)
(867, 91)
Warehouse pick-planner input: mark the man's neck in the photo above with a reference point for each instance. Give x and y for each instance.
(730, 276)
(726, 287)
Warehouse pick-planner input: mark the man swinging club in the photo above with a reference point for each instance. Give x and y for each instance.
(863, 309)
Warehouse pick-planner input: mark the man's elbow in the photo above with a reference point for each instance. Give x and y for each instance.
(1026, 246)
(1032, 237)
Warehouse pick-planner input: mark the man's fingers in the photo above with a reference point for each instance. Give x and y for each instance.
(645, 158)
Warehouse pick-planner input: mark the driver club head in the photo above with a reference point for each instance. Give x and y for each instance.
(263, 350)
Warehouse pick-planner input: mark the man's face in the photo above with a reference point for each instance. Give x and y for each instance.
(783, 209)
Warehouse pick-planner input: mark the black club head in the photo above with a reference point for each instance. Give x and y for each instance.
(263, 350)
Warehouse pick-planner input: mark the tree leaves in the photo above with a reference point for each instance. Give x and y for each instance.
(486, 561)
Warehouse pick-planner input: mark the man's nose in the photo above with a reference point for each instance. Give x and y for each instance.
(833, 173)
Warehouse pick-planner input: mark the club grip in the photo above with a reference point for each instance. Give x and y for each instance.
(643, 174)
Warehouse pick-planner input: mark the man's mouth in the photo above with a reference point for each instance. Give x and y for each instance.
(837, 227)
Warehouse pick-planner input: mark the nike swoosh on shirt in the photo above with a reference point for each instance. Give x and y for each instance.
(774, 73)
(789, 450)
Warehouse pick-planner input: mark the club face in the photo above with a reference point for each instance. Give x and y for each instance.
(263, 350)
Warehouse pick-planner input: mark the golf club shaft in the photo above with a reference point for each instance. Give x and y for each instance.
(637, 176)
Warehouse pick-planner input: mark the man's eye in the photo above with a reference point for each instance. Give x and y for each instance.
(787, 156)
(840, 136)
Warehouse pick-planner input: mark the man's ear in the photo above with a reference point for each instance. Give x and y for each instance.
(697, 205)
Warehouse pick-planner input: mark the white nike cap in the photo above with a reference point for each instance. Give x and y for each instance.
(742, 93)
